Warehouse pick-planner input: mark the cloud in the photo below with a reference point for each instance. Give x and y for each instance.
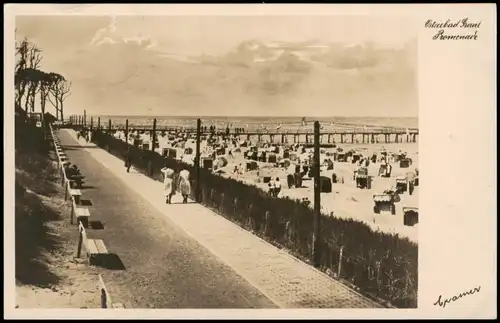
(112, 34)
(127, 76)
(117, 66)
(105, 33)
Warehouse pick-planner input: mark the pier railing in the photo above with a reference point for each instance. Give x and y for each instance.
(380, 265)
(329, 135)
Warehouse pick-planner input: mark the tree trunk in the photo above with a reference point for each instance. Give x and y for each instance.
(30, 97)
(62, 110)
(27, 102)
(21, 91)
(57, 109)
(42, 106)
(33, 102)
(30, 100)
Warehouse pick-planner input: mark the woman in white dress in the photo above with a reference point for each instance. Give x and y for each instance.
(168, 183)
(184, 185)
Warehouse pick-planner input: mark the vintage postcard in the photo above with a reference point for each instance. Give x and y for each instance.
(250, 161)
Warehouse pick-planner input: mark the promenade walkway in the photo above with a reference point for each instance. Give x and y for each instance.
(164, 267)
(286, 281)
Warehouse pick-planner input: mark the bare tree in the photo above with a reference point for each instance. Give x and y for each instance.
(60, 90)
(45, 82)
(29, 57)
(31, 81)
(54, 90)
(19, 79)
(34, 62)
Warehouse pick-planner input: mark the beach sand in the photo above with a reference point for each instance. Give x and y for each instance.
(345, 200)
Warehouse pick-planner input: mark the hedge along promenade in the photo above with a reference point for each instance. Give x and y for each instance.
(379, 265)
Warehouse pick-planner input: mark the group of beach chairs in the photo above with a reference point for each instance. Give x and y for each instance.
(385, 202)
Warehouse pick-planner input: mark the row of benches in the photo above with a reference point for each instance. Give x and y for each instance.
(93, 247)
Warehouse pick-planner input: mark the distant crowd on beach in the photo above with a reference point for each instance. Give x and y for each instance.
(272, 164)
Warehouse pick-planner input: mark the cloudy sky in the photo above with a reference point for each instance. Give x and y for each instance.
(65, 38)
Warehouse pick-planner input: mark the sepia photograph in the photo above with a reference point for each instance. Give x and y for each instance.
(249, 161)
(216, 162)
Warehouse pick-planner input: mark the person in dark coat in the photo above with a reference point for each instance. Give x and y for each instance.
(128, 159)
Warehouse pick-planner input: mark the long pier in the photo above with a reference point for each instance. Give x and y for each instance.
(371, 134)
(298, 137)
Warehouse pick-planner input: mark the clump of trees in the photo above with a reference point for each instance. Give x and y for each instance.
(31, 82)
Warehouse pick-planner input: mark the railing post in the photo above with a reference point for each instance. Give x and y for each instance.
(72, 211)
(126, 131)
(339, 269)
(153, 139)
(153, 136)
(80, 242)
(104, 299)
(84, 119)
(317, 196)
(109, 134)
(197, 161)
(99, 123)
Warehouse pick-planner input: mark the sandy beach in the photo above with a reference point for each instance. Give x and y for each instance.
(345, 200)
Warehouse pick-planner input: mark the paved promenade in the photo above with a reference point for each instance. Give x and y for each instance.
(284, 280)
(164, 267)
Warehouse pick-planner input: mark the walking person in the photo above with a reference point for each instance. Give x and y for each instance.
(277, 187)
(271, 188)
(290, 171)
(184, 185)
(128, 159)
(168, 183)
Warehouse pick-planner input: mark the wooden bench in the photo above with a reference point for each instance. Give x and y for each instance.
(82, 214)
(58, 153)
(64, 178)
(75, 194)
(93, 247)
(62, 157)
(68, 187)
(106, 301)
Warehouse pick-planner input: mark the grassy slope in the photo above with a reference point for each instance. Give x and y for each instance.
(46, 273)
